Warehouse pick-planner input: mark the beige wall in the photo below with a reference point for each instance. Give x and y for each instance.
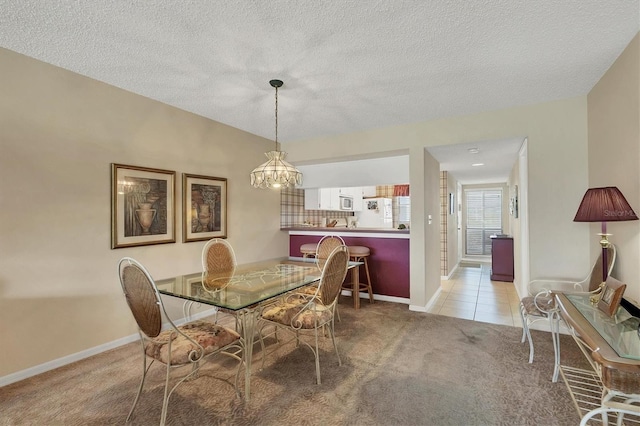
(557, 172)
(59, 291)
(614, 156)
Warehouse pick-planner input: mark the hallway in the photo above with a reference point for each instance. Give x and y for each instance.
(470, 294)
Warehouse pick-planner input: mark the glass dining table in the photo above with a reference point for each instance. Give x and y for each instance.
(243, 291)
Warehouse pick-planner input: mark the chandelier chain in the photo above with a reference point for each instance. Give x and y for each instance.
(276, 118)
(276, 172)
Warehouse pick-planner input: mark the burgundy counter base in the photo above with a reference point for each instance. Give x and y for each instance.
(388, 262)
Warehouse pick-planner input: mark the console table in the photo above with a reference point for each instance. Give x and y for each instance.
(612, 347)
(501, 258)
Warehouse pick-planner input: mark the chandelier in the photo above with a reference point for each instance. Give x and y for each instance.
(276, 172)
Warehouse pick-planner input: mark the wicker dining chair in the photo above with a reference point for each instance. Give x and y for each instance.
(218, 264)
(325, 246)
(187, 345)
(299, 312)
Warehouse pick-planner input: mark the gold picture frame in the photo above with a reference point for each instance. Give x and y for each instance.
(204, 207)
(610, 296)
(142, 206)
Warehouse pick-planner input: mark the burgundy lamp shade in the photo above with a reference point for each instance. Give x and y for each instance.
(604, 205)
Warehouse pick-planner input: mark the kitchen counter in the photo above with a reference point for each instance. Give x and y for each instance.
(342, 231)
(388, 262)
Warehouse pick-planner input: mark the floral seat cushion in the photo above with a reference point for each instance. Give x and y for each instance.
(291, 313)
(208, 335)
(545, 302)
(311, 290)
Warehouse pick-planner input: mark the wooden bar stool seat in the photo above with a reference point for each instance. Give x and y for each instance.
(359, 254)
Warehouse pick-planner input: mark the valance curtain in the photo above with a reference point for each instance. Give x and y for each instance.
(401, 190)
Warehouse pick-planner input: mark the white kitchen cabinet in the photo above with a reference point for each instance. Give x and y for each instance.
(347, 192)
(369, 191)
(312, 199)
(357, 199)
(329, 198)
(321, 199)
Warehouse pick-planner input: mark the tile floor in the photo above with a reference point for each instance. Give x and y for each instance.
(470, 294)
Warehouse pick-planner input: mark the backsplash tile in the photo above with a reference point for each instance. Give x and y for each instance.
(292, 212)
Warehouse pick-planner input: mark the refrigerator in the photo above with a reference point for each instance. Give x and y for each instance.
(376, 213)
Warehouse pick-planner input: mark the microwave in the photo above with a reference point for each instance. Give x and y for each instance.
(346, 203)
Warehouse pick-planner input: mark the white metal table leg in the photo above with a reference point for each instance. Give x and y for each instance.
(248, 320)
(554, 319)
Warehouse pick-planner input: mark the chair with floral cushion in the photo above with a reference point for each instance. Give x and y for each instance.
(218, 266)
(540, 305)
(184, 346)
(322, 251)
(300, 312)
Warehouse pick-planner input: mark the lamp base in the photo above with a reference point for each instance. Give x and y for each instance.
(595, 297)
(604, 240)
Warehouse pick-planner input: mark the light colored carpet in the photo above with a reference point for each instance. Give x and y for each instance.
(399, 368)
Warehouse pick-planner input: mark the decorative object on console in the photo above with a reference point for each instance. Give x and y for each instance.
(611, 296)
(142, 206)
(605, 204)
(204, 203)
(276, 172)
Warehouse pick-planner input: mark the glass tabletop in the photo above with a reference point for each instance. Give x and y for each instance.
(619, 331)
(246, 285)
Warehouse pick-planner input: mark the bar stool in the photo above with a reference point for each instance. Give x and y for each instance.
(308, 250)
(359, 254)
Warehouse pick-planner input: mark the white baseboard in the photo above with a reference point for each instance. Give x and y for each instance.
(416, 308)
(448, 277)
(65, 360)
(380, 297)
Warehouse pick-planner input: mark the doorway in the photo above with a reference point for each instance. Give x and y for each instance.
(483, 218)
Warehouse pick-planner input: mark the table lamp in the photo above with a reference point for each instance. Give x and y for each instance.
(604, 205)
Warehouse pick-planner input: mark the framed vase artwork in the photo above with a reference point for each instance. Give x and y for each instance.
(142, 206)
(204, 201)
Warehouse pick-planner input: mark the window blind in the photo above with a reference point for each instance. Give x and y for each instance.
(484, 218)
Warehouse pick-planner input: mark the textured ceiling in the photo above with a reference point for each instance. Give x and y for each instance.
(347, 65)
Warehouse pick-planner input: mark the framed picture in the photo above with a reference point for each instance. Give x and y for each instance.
(204, 200)
(142, 206)
(611, 296)
(514, 202)
(452, 203)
